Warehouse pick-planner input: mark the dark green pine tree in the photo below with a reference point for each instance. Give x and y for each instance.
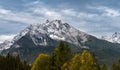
(12, 63)
(2, 63)
(104, 67)
(116, 66)
(61, 55)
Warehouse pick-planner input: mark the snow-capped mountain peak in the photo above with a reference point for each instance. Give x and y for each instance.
(56, 30)
(114, 38)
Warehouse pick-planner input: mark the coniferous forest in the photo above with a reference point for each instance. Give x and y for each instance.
(12, 63)
(61, 59)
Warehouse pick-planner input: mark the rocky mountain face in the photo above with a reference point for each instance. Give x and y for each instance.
(44, 38)
(55, 30)
(5, 45)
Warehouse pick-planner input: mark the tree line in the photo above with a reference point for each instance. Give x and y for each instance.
(61, 59)
(10, 62)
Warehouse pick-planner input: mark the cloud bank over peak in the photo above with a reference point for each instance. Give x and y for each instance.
(94, 17)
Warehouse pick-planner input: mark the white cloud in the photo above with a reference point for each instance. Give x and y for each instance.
(40, 8)
(72, 12)
(47, 13)
(4, 11)
(69, 12)
(37, 12)
(111, 12)
(23, 17)
(107, 11)
(6, 37)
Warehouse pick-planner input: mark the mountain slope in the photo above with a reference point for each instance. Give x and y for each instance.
(43, 38)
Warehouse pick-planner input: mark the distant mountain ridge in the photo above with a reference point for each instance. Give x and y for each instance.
(114, 38)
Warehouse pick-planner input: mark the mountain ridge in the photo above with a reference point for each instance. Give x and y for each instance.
(114, 38)
(54, 29)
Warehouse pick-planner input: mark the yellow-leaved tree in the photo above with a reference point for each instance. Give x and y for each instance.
(42, 62)
(85, 61)
(88, 62)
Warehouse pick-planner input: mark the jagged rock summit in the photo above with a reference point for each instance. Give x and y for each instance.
(55, 29)
(114, 38)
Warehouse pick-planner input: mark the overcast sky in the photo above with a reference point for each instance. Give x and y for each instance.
(95, 17)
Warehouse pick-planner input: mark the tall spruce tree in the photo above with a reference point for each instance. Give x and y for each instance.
(104, 67)
(61, 55)
(116, 66)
